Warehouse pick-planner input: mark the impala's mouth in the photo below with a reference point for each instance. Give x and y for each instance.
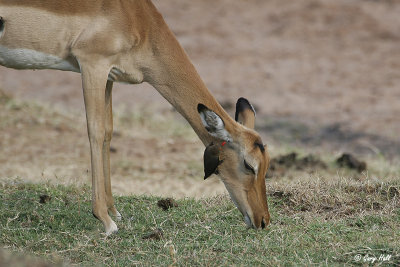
(248, 222)
(248, 219)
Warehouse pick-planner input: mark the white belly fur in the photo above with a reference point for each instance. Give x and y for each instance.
(20, 58)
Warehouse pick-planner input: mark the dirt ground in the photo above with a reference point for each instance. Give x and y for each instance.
(323, 74)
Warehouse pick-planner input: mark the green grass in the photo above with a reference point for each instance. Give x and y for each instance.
(207, 232)
(326, 218)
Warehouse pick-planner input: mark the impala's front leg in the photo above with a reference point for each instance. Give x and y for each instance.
(94, 83)
(106, 151)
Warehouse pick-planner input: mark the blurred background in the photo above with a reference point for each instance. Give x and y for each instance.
(323, 75)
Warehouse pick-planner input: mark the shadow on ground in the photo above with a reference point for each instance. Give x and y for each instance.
(337, 137)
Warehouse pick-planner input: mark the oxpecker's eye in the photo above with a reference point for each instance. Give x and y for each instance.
(249, 167)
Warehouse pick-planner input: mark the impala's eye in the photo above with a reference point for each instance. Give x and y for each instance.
(247, 166)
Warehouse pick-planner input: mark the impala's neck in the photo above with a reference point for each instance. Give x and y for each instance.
(176, 79)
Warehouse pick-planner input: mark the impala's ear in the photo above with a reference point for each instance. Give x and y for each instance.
(211, 160)
(245, 113)
(213, 123)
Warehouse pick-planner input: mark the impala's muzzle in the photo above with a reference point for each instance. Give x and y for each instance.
(248, 221)
(255, 220)
(252, 224)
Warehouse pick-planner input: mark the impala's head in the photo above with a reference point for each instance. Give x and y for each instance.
(239, 157)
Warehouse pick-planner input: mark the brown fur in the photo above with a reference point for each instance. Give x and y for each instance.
(132, 38)
(76, 7)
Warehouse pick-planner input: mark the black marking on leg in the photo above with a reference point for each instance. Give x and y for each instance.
(95, 216)
(1, 26)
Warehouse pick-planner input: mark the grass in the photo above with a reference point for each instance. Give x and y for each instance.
(41, 143)
(310, 226)
(331, 217)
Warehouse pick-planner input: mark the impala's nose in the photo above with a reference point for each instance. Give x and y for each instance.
(251, 224)
(263, 224)
(265, 220)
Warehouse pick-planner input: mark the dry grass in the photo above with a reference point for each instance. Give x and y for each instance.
(319, 216)
(209, 232)
(338, 197)
(151, 153)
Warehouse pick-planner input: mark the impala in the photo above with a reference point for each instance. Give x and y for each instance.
(128, 41)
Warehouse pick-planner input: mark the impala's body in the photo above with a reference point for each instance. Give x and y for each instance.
(50, 34)
(128, 41)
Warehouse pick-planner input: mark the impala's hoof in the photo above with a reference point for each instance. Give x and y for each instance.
(112, 228)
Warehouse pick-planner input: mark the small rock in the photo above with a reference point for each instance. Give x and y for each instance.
(349, 161)
(44, 199)
(311, 161)
(393, 192)
(278, 194)
(167, 203)
(280, 165)
(157, 234)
